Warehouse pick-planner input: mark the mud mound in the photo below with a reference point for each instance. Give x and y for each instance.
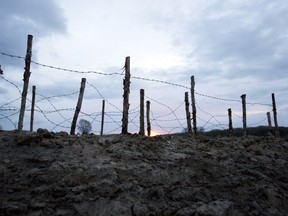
(47, 173)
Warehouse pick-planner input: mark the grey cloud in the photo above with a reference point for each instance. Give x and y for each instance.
(249, 38)
(3, 91)
(20, 18)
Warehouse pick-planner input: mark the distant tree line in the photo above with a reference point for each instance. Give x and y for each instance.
(254, 131)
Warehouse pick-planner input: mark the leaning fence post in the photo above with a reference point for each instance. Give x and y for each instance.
(244, 114)
(188, 115)
(277, 134)
(193, 103)
(78, 107)
(126, 84)
(26, 82)
(142, 126)
(230, 120)
(102, 119)
(269, 122)
(32, 108)
(148, 118)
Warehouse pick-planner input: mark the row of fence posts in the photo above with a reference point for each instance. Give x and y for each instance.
(244, 117)
(142, 111)
(126, 88)
(188, 114)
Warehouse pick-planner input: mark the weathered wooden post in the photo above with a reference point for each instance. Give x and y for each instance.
(188, 115)
(277, 134)
(230, 120)
(148, 118)
(244, 114)
(26, 82)
(269, 122)
(193, 103)
(1, 71)
(102, 119)
(32, 108)
(78, 107)
(126, 84)
(142, 126)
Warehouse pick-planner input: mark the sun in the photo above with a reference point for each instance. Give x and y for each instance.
(154, 133)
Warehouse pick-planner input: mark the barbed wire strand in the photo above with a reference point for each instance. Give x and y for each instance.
(211, 116)
(76, 71)
(172, 111)
(169, 120)
(231, 100)
(68, 120)
(257, 123)
(55, 96)
(12, 56)
(12, 84)
(211, 123)
(49, 101)
(103, 96)
(156, 122)
(106, 99)
(10, 102)
(159, 81)
(40, 110)
(9, 108)
(7, 117)
(91, 116)
(238, 116)
(136, 124)
(217, 125)
(137, 77)
(110, 132)
(53, 111)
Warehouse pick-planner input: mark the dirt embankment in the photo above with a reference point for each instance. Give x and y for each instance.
(55, 174)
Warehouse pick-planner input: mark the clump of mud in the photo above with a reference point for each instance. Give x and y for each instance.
(48, 173)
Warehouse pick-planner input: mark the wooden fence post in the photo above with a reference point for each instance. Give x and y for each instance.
(193, 103)
(269, 122)
(26, 82)
(230, 120)
(32, 108)
(126, 84)
(244, 114)
(148, 118)
(142, 126)
(277, 134)
(188, 115)
(78, 107)
(102, 119)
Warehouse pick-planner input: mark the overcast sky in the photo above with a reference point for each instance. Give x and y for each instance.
(232, 47)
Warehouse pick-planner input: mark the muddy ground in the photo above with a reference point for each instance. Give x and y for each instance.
(47, 173)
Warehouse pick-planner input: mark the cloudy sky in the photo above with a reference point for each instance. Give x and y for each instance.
(232, 47)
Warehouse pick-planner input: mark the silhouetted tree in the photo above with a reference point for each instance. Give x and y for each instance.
(84, 126)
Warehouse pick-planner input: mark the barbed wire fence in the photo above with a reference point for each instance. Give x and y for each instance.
(169, 120)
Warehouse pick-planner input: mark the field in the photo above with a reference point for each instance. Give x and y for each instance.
(48, 173)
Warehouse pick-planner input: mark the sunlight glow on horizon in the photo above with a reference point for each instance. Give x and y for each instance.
(153, 133)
